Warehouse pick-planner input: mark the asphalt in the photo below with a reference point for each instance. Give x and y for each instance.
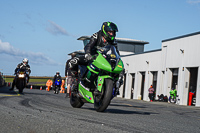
(39, 111)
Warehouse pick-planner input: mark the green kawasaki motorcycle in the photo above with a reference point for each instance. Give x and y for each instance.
(99, 82)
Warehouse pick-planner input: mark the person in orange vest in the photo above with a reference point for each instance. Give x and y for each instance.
(62, 86)
(49, 84)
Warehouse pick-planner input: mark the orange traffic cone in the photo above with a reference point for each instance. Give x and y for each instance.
(31, 87)
(41, 88)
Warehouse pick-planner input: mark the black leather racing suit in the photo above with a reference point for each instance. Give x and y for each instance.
(97, 41)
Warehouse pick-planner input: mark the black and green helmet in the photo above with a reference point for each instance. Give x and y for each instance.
(109, 26)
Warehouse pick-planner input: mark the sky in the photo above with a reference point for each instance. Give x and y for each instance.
(46, 31)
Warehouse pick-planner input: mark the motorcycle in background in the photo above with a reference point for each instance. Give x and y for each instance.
(57, 86)
(173, 95)
(21, 79)
(162, 98)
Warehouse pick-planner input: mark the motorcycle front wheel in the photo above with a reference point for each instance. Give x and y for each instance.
(20, 85)
(101, 102)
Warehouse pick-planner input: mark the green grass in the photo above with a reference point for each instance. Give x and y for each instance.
(38, 80)
(41, 81)
(8, 79)
(31, 81)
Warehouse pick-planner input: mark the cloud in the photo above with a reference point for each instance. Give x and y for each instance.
(55, 29)
(193, 1)
(35, 58)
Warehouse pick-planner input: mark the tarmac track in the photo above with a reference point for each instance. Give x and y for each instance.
(38, 111)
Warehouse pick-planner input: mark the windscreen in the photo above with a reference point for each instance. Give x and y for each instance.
(109, 52)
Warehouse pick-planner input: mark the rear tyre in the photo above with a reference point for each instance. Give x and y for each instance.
(102, 102)
(75, 101)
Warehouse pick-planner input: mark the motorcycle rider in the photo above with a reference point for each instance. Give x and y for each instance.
(23, 65)
(56, 77)
(104, 37)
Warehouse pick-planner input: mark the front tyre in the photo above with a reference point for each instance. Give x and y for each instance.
(21, 85)
(102, 102)
(57, 89)
(75, 101)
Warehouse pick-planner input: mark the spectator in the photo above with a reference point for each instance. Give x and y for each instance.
(151, 93)
(62, 86)
(49, 84)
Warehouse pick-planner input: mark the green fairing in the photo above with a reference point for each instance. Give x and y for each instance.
(101, 81)
(103, 64)
(119, 67)
(86, 94)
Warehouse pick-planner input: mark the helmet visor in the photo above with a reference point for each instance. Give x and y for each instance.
(111, 27)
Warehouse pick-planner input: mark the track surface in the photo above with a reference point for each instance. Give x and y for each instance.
(38, 111)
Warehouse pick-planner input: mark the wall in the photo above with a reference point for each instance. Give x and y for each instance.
(181, 53)
(135, 64)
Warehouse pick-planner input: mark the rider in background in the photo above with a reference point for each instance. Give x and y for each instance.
(23, 65)
(56, 77)
(104, 37)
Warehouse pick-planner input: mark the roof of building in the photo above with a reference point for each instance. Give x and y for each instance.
(122, 40)
(78, 52)
(156, 50)
(127, 40)
(192, 34)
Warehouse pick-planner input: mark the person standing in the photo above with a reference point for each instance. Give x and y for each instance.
(62, 86)
(49, 84)
(69, 74)
(151, 93)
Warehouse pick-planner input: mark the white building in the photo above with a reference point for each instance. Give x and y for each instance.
(175, 65)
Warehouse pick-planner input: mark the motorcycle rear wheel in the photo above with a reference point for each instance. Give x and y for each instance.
(101, 103)
(75, 101)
